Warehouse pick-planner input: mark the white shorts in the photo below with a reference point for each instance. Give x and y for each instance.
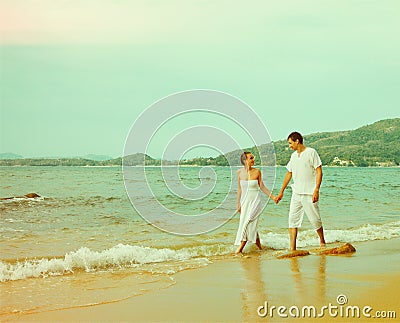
(299, 204)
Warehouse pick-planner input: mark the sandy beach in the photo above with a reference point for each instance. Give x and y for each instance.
(142, 142)
(238, 289)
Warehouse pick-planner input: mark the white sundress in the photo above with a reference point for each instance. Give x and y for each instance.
(250, 203)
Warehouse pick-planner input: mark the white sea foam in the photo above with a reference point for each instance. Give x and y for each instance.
(23, 199)
(307, 238)
(128, 256)
(119, 256)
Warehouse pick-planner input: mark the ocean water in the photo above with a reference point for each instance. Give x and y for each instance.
(83, 226)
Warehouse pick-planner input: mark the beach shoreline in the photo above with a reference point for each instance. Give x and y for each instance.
(234, 288)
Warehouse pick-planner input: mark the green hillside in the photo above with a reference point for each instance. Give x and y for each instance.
(377, 144)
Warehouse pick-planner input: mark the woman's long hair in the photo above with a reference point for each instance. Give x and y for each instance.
(243, 157)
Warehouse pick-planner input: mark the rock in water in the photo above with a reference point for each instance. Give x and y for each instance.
(295, 253)
(346, 248)
(29, 196)
(32, 195)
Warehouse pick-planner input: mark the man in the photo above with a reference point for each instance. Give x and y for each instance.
(306, 170)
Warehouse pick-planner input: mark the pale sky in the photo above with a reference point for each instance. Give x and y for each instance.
(76, 74)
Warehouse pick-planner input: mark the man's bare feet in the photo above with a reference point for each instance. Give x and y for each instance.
(237, 254)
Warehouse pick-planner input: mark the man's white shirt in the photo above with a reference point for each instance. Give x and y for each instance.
(303, 170)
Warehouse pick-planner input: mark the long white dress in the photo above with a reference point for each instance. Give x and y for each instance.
(250, 203)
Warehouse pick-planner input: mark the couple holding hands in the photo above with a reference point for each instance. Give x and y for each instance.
(305, 168)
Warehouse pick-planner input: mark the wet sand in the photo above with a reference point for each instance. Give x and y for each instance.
(238, 289)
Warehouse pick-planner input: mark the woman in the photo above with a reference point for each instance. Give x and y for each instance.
(249, 201)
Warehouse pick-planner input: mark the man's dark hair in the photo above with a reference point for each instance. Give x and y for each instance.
(296, 135)
(243, 157)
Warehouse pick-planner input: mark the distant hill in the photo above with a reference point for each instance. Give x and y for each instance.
(377, 144)
(97, 157)
(53, 162)
(137, 159)
(10, 156)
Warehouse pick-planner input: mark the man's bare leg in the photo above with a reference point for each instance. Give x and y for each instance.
(293, 237)
(320, 232)
(239, 250)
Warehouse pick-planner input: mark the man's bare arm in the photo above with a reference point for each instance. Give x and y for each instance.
(318, 182)
(285, 183)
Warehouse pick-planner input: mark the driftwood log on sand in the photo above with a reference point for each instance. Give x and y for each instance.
(346, 248)
(295, 253)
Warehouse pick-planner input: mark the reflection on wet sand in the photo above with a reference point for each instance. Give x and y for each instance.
(253, 290)
(317, 291)
(303, 286)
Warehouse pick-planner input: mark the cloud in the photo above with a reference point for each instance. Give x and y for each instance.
(25, 22)
(30, 22)
(77, 22)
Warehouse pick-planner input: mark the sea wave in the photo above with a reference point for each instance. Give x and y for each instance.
(306, 238)
(172, 260)
(19, 199)
(119, 256)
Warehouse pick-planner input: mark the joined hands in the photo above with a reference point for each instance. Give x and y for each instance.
(278, 198)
